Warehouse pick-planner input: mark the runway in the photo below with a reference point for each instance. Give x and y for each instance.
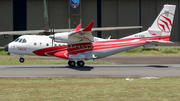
(124, 70)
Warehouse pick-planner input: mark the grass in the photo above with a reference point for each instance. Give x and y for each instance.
(89, 89)
(3, 52)
(16, 62)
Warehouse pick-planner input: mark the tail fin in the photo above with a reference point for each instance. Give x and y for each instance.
(163, 24)
(161, 28)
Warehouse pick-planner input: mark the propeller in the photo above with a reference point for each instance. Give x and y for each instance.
(52, 35)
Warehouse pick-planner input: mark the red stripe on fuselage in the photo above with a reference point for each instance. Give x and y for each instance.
(100, 45)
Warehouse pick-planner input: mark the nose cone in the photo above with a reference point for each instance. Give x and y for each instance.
(6, 48)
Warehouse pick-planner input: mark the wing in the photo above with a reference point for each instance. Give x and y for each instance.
(114, 28)
(42, 32)
(33, 32)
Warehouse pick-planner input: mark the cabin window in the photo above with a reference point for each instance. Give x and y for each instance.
(35, 44)
(63, 45)
(40, 44)
(92, 47)
(55, 45)
(47, 44)
(59, 45)
(69, 46)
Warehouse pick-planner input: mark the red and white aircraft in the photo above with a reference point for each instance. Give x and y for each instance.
(79, 44)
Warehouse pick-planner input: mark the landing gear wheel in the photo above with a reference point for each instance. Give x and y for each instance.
(71, 63)
(80, 63)
(21, 60)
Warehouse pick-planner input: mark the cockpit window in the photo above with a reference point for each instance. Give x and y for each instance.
(16, 40)
(24, 41)
(20, 40)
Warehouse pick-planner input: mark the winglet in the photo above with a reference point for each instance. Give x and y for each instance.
(89, 27)
(77, 28)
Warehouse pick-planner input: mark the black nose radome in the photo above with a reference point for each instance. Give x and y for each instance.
(6, 48)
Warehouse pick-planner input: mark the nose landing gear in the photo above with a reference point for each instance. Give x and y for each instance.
(79, 63)
(21, 60)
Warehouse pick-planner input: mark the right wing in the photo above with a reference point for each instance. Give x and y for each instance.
(42, 32)
(114, 28)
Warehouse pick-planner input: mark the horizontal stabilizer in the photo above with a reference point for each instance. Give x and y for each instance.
(158, 41)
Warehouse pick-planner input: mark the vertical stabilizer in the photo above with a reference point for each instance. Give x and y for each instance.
(163, 24)
(161, 27)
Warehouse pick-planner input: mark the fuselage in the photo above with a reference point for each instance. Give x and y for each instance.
(43, 46)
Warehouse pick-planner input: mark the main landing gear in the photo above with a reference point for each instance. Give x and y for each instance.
(73, 63)
(21, 60)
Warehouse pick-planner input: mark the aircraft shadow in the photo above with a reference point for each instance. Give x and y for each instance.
(85, 68)
(158, 66)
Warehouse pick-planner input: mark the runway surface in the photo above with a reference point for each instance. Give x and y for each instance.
(124, 70)
(127, 66)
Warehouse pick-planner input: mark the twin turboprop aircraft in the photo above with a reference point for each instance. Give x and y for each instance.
(79, 44)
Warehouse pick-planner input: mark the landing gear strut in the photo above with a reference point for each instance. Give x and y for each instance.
(21, 60)
(73, 63)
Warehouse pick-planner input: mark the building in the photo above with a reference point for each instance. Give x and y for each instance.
(18, 15)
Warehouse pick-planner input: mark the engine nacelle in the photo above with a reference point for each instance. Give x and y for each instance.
(63, 37)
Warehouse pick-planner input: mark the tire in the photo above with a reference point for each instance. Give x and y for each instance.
(71, 63)
(21, 60)
(80, 63)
